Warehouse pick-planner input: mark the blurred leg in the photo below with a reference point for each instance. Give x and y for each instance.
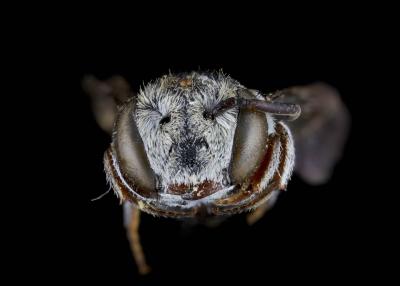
(132, 221)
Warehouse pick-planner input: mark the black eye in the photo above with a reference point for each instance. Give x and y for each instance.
(165, 119)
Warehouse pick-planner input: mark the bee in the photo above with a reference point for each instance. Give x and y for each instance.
(201, 145)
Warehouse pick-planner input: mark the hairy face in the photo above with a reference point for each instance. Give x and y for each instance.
(199, 143)
(185, 148)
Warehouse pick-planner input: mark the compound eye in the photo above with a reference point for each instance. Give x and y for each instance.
(250, 144)
(130, 151)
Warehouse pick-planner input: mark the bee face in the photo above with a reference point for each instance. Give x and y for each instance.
(184, 145)
(186, 148)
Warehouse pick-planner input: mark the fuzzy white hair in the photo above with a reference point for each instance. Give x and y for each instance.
(185, 107)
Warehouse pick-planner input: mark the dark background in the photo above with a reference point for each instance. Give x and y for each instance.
(323, 234)
(312, 233)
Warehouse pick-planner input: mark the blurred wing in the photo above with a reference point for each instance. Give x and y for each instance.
(106, 96)
(320, 132)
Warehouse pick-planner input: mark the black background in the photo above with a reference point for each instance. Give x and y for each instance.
(330, 233)
(312, 234)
